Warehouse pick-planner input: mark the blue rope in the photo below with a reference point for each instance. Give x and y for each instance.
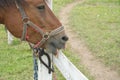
(35, 68)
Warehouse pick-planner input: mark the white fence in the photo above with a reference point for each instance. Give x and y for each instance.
(68, 70)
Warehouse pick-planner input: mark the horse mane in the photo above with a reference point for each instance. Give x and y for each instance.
(4, 4)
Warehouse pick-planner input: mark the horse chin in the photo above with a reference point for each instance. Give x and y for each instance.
(52, 49)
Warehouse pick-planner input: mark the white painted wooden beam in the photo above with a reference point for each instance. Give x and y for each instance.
(10, 37)
(43, 71)
(68, 70)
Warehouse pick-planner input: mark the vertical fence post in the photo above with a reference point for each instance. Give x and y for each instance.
(10, 37)
(43, 73)
(42, 70)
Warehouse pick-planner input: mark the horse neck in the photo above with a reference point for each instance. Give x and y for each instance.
(1, 17)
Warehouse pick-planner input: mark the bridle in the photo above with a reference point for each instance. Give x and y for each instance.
(27, 22)
(45, 37)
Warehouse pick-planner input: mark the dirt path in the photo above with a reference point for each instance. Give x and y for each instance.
(95, 67)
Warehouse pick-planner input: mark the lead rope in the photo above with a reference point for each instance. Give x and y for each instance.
(35, 67)
(48, 66)
(41, 53)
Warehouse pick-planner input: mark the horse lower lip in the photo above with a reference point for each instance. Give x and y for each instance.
(56, 48)
(56, 52)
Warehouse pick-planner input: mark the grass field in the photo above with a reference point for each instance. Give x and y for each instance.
(58, 5)
(97, 23)
(16, 60)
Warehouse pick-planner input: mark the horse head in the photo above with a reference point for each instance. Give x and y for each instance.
(35, 23)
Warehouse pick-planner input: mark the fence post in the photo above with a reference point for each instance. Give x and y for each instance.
(42, 70)
(10, 37)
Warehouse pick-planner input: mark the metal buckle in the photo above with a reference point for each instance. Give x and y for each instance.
(25, 19)
(46, 36)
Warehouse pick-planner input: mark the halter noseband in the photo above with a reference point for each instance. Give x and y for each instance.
(26, 22)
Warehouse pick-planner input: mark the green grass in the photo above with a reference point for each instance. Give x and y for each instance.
(15, 60)
(58, 5)
(97, 22)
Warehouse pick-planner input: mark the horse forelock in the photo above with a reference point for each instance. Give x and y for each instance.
(5, 4)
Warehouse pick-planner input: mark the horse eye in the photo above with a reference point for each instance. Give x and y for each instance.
(42, 7)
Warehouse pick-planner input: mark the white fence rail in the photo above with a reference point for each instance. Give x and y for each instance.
(68, 70)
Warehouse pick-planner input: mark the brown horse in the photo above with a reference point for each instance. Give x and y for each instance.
(39, 25)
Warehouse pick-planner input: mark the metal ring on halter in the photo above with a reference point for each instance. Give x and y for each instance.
(25, 19)
(46, 36)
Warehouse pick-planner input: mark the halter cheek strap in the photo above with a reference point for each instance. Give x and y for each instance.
(27, 22)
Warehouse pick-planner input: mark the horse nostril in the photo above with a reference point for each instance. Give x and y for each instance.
(65, 38)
